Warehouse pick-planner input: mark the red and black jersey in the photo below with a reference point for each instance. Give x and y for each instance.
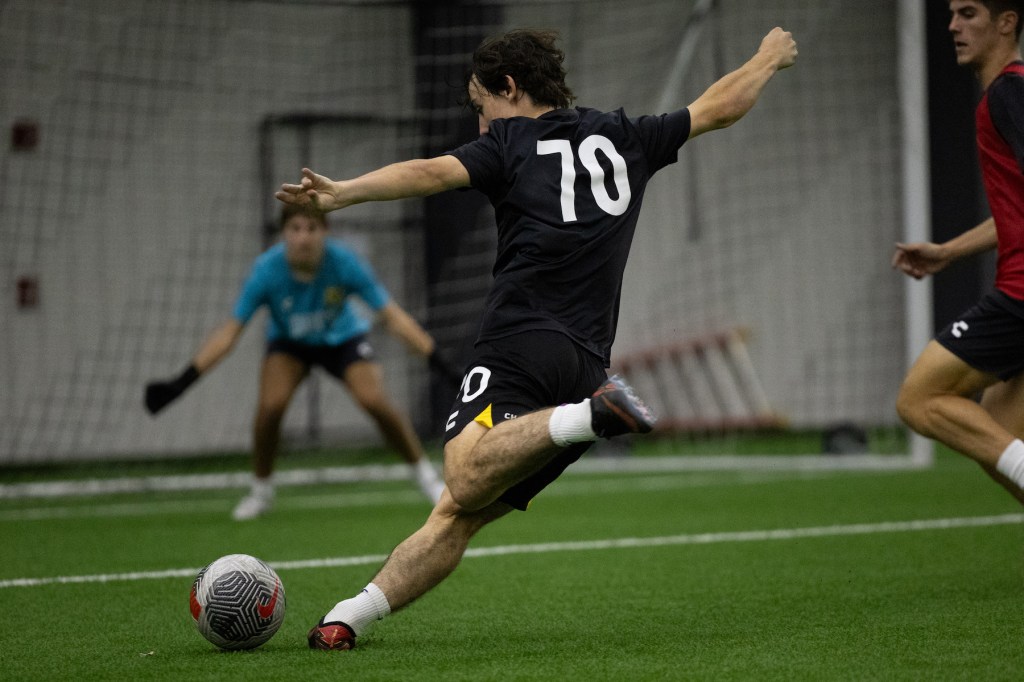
(1000, 131)
(566, 189)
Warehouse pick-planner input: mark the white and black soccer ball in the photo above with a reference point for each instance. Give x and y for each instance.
(237, 602)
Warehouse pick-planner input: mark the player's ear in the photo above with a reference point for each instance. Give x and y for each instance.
(512, 91)
(1008, 21)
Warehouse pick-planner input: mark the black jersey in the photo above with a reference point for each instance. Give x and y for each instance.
(566, 189)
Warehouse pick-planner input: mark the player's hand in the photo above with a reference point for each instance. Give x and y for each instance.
(314, 190)
(781, 46)
(920, 259)
(160, 394)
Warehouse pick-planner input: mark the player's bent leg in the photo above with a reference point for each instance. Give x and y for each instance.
(365, 382)
(1003, 402)
(481, 463)
(430, 554)
(936, 400)
(415, 566)
(280, 375)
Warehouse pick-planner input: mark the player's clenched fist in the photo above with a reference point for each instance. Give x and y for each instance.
(780, 44)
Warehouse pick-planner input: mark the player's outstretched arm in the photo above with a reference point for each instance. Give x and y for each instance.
(733, 95)
(160, 394)
(405, 328)
(416, 178)
(920, 259)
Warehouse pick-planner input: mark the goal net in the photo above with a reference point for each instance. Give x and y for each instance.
(163, 129)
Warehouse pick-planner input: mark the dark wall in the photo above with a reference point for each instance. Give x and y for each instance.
(447, 216)
(958, 198)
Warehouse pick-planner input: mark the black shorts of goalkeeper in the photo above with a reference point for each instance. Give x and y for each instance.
(334, 359)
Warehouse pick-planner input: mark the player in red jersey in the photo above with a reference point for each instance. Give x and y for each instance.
(567, 185)
(983, 349)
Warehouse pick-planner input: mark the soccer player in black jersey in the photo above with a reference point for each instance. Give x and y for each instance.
(566, 184)
(982, 350)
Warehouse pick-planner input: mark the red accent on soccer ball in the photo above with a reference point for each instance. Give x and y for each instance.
(267, 610)
(194, 605)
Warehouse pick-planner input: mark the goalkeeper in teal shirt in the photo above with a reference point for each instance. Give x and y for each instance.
(312, 308)
(306, 281)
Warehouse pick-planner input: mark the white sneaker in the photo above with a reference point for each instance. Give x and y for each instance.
(251, 507)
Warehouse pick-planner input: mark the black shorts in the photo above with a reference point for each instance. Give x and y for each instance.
(519, 374)
(334, 359)
(989, 336)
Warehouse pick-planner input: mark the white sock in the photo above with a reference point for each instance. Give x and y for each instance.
(1011, 462)
(424, 471)
(571, 424)
(361, 610)
(263, 488)
(427, 479)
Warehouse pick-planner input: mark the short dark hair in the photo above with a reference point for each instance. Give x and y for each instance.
(531, 58)
(997, 7)
(289, 211)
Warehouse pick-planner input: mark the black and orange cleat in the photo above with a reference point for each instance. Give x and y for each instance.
(335, 636)
(615, 410)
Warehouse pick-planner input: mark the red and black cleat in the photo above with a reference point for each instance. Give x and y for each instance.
(615, 410)
(334, 636)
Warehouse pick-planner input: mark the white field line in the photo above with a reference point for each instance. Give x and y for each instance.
(398, 472)
(222, 503)
(580, 546)
(146, 484)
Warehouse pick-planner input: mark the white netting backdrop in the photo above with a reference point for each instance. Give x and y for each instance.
(141, 208)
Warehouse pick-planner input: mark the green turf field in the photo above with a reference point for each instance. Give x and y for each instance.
(668, 576)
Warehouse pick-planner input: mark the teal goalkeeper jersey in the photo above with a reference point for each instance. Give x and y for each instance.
(318, 312)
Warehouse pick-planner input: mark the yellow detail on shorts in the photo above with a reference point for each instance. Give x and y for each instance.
(484, 418)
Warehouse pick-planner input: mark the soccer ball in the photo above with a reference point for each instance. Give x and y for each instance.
(237, 602)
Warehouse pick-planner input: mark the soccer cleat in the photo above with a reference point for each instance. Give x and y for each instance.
(334, 636)
(615, 410)
(251, 507)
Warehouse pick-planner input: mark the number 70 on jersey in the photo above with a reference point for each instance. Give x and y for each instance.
(587, 153)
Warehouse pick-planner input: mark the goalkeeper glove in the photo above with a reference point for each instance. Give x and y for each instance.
(159, 394)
